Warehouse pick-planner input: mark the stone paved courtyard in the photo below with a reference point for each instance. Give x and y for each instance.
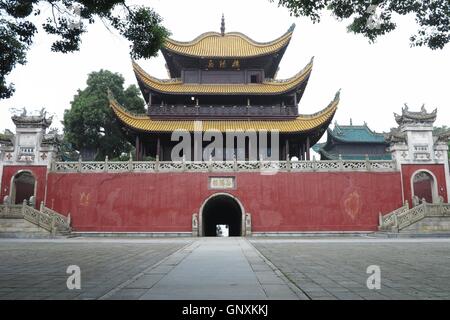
(37, 269)
(320, 268)
(336, 269)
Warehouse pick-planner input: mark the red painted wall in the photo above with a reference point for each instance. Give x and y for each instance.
(281, 202)
(39, 172)
(437, 169)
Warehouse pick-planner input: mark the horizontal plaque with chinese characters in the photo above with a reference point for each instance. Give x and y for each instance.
(222, 183)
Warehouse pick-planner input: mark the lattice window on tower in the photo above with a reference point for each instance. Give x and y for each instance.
(26, 150)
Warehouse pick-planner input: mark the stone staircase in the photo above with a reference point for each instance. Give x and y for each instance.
(424, 218)
(23, 221)
(21, 228)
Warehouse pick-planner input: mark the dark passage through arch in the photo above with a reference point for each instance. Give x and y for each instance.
(23, 187)
(222, 210)
(423, 184)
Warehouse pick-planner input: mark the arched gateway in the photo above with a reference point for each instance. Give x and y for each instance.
(222, 209)
(424, 186)
(23, 187)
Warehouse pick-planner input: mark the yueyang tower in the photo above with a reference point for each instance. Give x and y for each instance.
(224, 82)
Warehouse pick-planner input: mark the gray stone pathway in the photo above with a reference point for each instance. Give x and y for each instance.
(210, 268)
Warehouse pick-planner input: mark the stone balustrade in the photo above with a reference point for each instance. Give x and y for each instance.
(223, 166)
(404, 217)
(45, 218)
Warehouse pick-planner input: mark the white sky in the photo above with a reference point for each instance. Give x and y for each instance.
(376, 79)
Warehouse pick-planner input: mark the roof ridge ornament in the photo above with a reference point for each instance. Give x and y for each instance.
(222, 25)
(291, 28)
(415, 117)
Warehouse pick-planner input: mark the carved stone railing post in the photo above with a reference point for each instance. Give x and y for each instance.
(106, 164)
(52, 165)
(157, 163)
(80, 167)
(130, 163)
(32, 201)
(288, 164)
(235, 166)
(415, 201)
(426, 209)
(195, 225)
(395, 227)
(441, 207)
(394, 165)
(248, 224)
(53, 226)
(368, 165)
(314, 164)
(183, 163)
(210, 164)
(341, 163)
(41, 207)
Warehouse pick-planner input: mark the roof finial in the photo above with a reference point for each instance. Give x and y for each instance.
(291, 28)
(222, 26)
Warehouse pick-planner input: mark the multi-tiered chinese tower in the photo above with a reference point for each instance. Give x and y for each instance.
(228, 82)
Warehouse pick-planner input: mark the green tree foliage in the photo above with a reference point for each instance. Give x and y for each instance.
(90, 126)
(68, 20)
(373, 18)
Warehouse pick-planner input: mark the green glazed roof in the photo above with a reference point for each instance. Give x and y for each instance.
(356, 134)
(351, 135)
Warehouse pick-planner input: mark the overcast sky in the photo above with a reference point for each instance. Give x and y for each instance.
(376, 79)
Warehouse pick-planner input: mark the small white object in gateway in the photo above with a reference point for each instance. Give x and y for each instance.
(222, 230)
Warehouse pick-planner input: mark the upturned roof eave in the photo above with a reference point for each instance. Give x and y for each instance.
(194, 48)
(304, 123)
(269, 88)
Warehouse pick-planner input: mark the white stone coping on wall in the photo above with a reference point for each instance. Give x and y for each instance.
(264, 167)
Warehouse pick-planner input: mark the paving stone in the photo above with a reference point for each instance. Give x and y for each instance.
(410, 269)
(128, 294)
(32, 269)
(146, 281)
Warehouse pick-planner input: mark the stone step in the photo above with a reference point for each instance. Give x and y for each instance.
(21, 228)
(429, 225)
(19, 224)
(94, 234)
(26, 235)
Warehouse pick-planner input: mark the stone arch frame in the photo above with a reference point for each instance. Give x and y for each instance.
(12, 189)
(434, 185)
(201, 231)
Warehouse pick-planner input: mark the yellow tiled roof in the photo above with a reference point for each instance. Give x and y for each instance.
(229, 45)
(301, 124)
(176, 86)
